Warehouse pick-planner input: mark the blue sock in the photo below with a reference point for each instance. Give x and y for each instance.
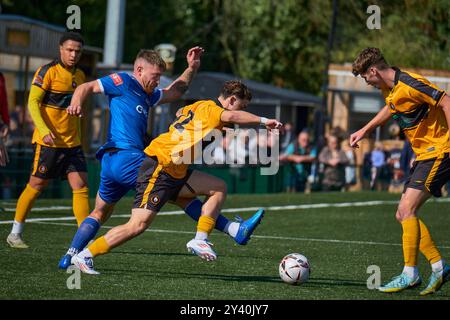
(194, 210)
(85, 233)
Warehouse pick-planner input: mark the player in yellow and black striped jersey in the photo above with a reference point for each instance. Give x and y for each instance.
(422, 110)
(56, 85)
(163, 177)
(414, 103)
(56, 138)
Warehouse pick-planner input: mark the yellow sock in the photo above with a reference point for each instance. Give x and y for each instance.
(25, 203)
(206, 224)
(427, 246)
(411, 239)
(99, 246)
(80, 203)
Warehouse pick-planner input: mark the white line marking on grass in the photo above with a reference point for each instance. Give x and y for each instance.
(230, 210)
(38, 209)
(261, 236)
(109, 227)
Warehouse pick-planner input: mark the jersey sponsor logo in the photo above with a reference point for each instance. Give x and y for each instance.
(116, 79)
(140, 109)
(412, 119)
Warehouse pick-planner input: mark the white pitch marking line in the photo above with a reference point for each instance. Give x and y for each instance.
(261, 236)
(109, 227)
(231, 210)
(37, 209)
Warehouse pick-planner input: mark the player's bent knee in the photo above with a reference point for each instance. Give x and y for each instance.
(400, 216)
(77, 180)
(405, 211)
(38, 184)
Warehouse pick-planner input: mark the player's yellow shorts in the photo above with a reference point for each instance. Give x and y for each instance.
(154, 186)
(430, 175)
(51, 163)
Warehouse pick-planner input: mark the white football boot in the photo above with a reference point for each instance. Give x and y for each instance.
(15, 241)
(86, 265)
(202, 248)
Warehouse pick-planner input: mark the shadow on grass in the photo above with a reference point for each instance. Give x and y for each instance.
(336, 282)
(186, 275)
(160, 253)
(313, 282)
(169, 254)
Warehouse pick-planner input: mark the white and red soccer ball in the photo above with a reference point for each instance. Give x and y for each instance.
(294, 269)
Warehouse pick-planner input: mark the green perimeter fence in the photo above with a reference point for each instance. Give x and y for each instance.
(245, 179)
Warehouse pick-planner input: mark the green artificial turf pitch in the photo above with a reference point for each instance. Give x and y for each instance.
(340, 241)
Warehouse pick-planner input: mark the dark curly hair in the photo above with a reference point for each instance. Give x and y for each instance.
(369, 57)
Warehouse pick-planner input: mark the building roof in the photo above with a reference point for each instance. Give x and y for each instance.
(207, 85)
(34, 37)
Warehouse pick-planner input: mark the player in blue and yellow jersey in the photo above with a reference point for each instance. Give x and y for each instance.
(422, 111)
(130, 98)
(165, 174)
(56, 138)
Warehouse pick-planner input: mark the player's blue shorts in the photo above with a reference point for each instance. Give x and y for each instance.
(119, 173)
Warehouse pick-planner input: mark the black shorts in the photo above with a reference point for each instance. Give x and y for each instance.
(51, 163)
(430, 175)
(154, 186)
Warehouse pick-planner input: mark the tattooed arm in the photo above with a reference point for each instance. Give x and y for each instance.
(177, 88)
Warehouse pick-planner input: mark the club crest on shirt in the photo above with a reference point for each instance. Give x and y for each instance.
(42, 168)
(391, 105)
(154, 199)
(116, 79)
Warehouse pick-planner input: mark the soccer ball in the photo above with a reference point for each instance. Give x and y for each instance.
(294, 269)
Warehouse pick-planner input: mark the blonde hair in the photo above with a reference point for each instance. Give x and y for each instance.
(152, 57)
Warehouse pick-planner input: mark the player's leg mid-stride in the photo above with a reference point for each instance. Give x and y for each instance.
(406, 93)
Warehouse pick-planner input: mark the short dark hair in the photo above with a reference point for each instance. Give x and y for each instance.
(305, 130)
(367, 58)
(236, 88)
(71, 35)
(152, 57)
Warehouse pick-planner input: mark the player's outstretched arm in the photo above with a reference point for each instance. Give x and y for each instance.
(243, 117)
(177, 88)
(80, 95)
(382, 117)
